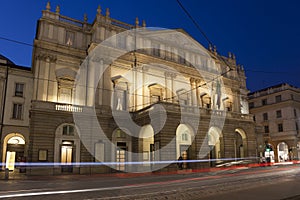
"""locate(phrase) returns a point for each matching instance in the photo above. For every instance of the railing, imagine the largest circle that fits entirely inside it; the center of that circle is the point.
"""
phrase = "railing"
(71, 21)
(121, 24)
(53, 106)
(173, 107)
(68, 108)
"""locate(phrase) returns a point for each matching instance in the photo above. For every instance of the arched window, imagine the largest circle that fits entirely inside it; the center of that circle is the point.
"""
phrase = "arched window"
(16, 140)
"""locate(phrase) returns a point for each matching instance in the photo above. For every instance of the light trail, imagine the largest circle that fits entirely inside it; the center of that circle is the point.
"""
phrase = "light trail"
(55, 164)
(14, 194)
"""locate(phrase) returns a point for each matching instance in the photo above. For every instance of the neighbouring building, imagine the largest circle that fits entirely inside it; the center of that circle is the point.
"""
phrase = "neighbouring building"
(277, 109)
(108, 93)
(16, 85)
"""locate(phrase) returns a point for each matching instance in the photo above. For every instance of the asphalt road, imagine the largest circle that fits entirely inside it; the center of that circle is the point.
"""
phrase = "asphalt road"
(272, 182)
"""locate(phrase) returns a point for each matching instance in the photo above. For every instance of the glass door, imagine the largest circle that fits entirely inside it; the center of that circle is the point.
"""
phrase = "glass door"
(66, 158)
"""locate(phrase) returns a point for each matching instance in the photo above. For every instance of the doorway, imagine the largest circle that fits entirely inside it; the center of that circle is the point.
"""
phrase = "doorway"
(121, 156)
(14, 152)
(184, 154)
(67, 156)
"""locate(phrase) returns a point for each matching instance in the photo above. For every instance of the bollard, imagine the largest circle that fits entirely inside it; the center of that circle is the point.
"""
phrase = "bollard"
(6, 174)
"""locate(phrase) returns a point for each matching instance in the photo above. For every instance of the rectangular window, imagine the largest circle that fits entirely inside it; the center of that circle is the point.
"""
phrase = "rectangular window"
(266, 129)
(265, 116)
(19, 89)
(297, 128)
(278, 113)
(295, 112)
(251, 105)
(17, 111)
(70, 38)
(184, 137)
(68, 130)
(278, 98)
(280, 128)
(264, 102)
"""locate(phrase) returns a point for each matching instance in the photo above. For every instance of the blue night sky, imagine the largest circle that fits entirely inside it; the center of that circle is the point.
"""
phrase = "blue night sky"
(264, 35)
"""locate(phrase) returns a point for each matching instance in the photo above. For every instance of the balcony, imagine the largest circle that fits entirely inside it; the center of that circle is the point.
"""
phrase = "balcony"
(68, 108)
(53, 106)
(171, 107)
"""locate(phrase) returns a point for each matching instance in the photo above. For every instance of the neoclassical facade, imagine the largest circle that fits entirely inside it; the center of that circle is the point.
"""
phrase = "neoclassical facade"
(110, 96)
(276, 110)
(16, 84)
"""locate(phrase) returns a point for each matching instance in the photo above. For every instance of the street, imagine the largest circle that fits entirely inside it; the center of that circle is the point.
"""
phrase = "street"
(272, 182)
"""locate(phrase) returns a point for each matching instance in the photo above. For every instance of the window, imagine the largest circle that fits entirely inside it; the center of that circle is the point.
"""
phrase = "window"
(68, 130)
(65, 90)
(17, 111)
(264, 102)
(295, 112)
(280, 128)
(156, 93)
(265, 116)
(19, 89)
(297, 128)
(278, 98)
(278, 113)
(266, 129)
(254, 118)
(251, 105)
(184, 137)
(70, 38)
(121, 99)
(120, 134)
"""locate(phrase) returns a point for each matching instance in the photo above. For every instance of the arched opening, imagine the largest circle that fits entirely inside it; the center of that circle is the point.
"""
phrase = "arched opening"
(67, 147)
(121, 148)
(13, 150)
(240, 143)
(184, 138)
(146, 141)
(214, 143)
(283, 152)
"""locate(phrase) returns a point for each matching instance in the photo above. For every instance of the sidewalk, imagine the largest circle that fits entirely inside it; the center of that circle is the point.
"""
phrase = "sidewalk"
(15, 175)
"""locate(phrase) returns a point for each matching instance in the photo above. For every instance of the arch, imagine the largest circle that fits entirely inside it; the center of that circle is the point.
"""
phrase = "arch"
(282, 152)
(241, 132)
(240, 143)
(214, 142)
(12, 150)
(184, 138)
(146, 144)
(67, 146)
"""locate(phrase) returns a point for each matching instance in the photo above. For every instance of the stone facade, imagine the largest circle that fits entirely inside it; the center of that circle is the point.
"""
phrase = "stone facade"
(16, 94)
(111, 96)
(276, 109)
